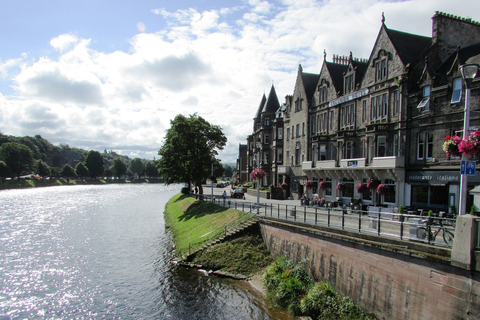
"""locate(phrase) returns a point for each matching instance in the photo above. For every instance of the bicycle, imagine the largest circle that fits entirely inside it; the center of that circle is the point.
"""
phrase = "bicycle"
(423, 231)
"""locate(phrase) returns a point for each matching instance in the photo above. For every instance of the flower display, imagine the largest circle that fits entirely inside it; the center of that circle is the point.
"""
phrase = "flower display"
(361, 188)
(372, 183)
(258, 174)
(284, 186)
(340, 187)
(471, 145)
(322, 185)
(382, 189)
(450, 146)
(309, 184)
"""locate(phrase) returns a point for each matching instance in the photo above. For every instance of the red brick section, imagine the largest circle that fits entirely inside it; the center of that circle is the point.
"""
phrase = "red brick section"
(391, 285)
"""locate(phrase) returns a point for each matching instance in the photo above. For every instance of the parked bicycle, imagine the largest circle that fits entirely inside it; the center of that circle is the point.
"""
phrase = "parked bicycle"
(422, 232)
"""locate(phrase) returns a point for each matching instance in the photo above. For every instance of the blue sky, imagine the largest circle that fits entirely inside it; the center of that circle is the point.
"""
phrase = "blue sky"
(112, 74)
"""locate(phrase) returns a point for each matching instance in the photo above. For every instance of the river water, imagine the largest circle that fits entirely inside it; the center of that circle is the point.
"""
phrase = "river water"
(96, 252)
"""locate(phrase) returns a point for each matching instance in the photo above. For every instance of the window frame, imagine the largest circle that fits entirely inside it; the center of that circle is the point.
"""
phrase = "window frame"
(456, 91)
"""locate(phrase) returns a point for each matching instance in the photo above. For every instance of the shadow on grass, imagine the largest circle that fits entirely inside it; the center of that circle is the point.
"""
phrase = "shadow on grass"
(199, 209)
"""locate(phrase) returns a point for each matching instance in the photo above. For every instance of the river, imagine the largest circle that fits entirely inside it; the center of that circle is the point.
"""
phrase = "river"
(102, 252)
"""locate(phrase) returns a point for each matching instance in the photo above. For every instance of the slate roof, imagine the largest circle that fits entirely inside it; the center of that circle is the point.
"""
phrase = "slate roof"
(272, 104)
(469, 54)
(410, 47)
(336, 71)
(309, 83)
(260, 107)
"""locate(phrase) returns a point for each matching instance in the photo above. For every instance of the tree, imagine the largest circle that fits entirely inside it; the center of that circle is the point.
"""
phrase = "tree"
(3, 169)
(228, 171)
(81, 170)
(18, 157)
(119, 168)
(43, 169)
(108, 173)
(67, 171)
(94, 164)
(151, 170)
(188, 149)
(137, 166)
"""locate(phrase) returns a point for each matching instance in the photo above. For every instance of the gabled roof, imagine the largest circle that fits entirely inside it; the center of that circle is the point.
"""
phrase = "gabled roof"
(260, 107)
(469, 54)
(309, 83)
(409, 47)
(272, 104)
(336, 71)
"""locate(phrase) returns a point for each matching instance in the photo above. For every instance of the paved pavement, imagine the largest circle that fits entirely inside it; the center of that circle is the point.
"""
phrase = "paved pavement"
(217, 192)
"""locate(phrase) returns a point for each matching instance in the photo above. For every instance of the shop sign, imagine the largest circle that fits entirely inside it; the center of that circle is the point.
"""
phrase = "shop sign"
(433, 176)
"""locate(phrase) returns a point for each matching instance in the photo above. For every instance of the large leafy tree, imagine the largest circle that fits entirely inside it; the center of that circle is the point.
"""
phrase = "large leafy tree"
(42, 168)
(94, 163)
(119, 168)
(151, 170)
(18, 157)
(81, 170)
(67, 171)
(228, 171)
(137, 166)
(189, 147)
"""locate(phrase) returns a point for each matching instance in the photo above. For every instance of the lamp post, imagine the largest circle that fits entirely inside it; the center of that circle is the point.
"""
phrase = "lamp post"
(211, 177)
(259, 145)
(468, 71)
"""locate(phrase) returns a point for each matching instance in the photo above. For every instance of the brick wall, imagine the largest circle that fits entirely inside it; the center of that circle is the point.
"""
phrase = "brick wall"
(391, 283)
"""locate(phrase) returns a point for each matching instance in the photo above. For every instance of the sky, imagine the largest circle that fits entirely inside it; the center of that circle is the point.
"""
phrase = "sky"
(112, 74)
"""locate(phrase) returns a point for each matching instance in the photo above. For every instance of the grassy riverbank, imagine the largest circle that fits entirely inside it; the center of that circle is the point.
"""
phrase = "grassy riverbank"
(32, 183)
(189, 219)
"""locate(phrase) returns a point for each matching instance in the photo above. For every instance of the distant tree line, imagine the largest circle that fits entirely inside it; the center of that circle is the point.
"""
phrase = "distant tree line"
(22, 156)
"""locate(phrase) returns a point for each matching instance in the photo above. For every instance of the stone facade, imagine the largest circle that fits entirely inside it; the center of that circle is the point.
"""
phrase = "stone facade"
(384, 117)
(390, 281)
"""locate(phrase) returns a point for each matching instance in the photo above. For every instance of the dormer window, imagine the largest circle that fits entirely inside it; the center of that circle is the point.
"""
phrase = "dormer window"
(457, 90)
(425, 102)
(381, 70)
(349, 83)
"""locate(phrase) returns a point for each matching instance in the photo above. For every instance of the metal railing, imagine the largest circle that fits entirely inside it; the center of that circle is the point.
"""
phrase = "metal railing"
(383, 224)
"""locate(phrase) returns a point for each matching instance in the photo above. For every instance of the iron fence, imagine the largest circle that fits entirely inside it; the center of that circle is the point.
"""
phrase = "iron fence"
(384, 224)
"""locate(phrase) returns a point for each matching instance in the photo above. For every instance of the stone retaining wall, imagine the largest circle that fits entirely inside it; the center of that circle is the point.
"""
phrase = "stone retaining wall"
(390, 281)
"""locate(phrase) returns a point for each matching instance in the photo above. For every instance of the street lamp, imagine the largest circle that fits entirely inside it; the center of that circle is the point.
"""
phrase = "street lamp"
(211, 177)
(468, 71)
(259, 145)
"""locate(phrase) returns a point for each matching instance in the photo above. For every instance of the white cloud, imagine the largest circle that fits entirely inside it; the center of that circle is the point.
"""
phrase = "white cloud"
(202, 62)
(63, 42)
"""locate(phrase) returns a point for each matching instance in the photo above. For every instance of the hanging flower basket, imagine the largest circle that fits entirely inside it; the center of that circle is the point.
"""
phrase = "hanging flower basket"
(340, 187)
(372, 183)
(309, 184)
(382, 189)
(322, 185)
(258, 174)
(284, 186)
(361, 188)
(471, 145)
(450, 146)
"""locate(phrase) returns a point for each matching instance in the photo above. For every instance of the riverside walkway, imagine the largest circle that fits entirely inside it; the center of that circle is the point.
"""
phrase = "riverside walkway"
(383, 224)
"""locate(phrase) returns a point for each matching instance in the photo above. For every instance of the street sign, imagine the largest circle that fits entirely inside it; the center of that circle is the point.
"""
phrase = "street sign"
(468, 168)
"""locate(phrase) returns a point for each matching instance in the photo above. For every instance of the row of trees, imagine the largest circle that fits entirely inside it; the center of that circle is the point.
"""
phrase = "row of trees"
(17, 159)
(187, 156)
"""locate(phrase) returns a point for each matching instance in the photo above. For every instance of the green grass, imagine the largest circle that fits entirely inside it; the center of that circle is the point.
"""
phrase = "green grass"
(246, 255)
(189, 219)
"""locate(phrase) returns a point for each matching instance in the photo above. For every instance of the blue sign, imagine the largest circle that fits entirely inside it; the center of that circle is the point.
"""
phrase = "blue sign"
(468, 168)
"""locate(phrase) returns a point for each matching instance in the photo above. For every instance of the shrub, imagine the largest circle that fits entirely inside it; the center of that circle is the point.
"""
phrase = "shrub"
(289, 287)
